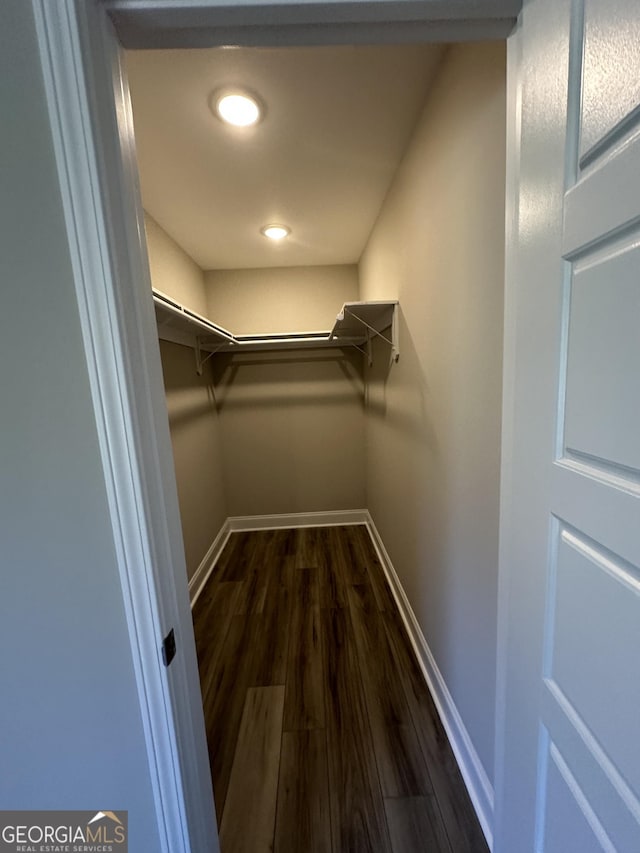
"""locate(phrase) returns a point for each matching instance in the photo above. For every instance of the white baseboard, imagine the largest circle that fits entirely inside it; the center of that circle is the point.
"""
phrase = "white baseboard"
(298, 519)
(475, 778)
(266, 522)
(201, 575)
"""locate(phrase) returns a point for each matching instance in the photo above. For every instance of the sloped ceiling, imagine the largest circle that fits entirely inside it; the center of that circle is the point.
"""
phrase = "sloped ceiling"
(337, 122)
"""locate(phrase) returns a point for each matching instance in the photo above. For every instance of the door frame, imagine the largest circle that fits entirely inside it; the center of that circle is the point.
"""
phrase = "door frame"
(509, 379)
(90, 116)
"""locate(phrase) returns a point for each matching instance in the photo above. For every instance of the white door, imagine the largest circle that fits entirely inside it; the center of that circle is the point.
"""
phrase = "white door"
(569, 749)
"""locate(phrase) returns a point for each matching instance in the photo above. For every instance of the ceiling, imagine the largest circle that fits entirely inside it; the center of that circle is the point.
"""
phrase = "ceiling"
(337, 122)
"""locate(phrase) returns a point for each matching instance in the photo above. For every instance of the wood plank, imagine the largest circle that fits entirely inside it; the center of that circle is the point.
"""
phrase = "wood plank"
(253, 591)
(377, 578)
(309, 549)
(234, 560)
(272, 629)
(272, 633)
(303, 820)
(304, 700)
(346, 556)
(281, 557)
(233, 541)
(332, 584)
(253, 654)
(358, 821)
(214, 599)
(253, 559)
(207, 594)
(282, 548)
(354, 553)
(401, 766)
(225, 697)
(211, 619)
(269, 557)
(253, 786)
(460, 820)
(411, 826)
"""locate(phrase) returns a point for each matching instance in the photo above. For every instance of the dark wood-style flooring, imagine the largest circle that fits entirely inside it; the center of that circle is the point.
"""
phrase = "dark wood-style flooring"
(323, 737)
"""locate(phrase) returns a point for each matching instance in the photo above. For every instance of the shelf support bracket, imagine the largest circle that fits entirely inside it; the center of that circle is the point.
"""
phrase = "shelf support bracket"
(366, 351)
(393, 341)
(200, 361)
(395, 338)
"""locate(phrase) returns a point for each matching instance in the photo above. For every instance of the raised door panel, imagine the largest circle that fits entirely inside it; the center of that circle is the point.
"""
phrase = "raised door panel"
(593, 624)
(569, 822)
(604, 339)
(612, 66)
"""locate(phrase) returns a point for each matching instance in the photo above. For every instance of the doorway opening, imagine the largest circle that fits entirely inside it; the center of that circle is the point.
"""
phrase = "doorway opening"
(390, 180)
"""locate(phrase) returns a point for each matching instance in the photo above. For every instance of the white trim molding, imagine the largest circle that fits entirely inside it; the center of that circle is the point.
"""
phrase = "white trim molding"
(330, 518)
(207, 23)
(238, 523)
(91, 124)
(511, 293)
(203, 572)
(473, 773)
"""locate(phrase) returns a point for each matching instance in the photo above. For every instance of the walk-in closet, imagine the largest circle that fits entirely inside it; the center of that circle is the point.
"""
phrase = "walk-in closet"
(334, 403)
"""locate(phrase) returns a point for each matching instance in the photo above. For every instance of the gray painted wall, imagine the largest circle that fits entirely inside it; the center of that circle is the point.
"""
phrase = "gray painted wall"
(195, 438)
(292, 428)
(70, 729)
(193, 416)
(172, 270)
(292, 424)
(433, 421)
(280, 299)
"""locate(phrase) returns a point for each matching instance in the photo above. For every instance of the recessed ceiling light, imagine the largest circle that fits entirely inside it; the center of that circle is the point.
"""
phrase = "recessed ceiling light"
(275, 232)
(237, 108)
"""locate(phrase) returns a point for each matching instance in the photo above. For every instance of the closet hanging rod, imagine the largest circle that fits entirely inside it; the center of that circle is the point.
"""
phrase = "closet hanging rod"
(303, 340)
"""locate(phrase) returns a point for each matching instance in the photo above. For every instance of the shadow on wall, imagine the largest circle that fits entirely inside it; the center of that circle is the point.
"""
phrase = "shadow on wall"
(181, 415)
(428, 486)
(407, 471)
(285, 379)
(408, 411)
(189, 397)
(292, 430)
